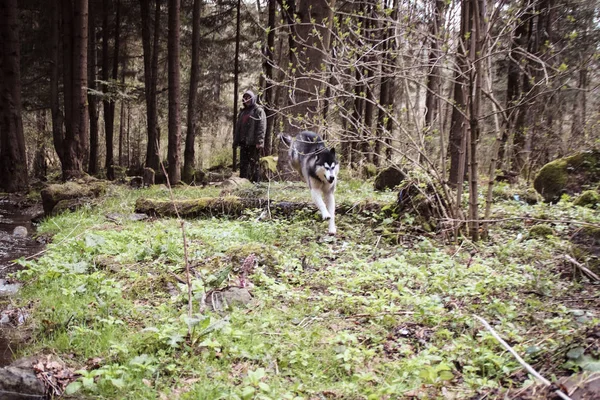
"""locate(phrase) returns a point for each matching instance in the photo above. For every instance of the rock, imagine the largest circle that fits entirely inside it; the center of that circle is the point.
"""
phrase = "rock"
(235, 183)
(389, 178)
(218, 174)
(20, 231)
(586, 247)
(8, 289)
(568, 175)
(369, 170)
(136, 182)
(540, 231)
(18, 382)
(589, 198)
(220, 300)
(531, 197)
(53, 194)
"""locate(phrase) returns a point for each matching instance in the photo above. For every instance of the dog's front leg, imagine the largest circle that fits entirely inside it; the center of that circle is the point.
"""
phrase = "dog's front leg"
(330, 202)
(318, 200)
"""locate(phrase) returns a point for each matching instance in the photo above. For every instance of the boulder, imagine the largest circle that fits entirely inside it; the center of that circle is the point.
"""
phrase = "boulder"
(389, 178)
(568, 175)
(71, 193)
(19, 382)
(589, 198)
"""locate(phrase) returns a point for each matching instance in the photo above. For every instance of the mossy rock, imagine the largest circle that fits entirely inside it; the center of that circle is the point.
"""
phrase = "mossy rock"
(53, 194)
(389, 178)
(531, 196)
(266, 256)
(568, 175)
(589, 198)
(541, 231)
(586, 247)
(369, 170)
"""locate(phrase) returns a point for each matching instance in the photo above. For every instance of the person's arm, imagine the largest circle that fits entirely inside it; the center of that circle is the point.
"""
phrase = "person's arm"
(261, 128)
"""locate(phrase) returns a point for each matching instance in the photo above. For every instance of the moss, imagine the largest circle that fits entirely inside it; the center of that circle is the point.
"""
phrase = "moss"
(55, 193)
(266, 256)
(540, 231)
(531, 196)
(568, 175)
(551, 179)
(589, 198)
(369, 170)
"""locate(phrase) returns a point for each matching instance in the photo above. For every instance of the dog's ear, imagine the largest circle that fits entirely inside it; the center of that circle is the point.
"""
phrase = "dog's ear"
(332, 151)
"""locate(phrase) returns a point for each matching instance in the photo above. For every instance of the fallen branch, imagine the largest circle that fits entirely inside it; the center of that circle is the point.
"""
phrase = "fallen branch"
(528, 367)
(553, 221)
(586, 271)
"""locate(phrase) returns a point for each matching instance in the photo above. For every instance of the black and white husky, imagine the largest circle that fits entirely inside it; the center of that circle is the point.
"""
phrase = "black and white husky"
(319, 167)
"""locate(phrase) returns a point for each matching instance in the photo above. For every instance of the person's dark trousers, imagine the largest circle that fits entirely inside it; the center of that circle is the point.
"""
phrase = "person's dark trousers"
(249, 156)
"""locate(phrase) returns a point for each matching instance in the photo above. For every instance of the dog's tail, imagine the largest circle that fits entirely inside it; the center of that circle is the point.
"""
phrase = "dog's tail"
(286, 139)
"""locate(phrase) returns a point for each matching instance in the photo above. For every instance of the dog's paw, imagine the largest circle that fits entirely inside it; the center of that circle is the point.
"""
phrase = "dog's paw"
(326, 216)
(332, 231)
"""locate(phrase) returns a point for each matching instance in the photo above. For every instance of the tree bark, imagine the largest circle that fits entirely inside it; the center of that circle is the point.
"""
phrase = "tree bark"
(459, 123)
(173, 155)
(57, 115)
(75, 40)
(92, 99)
(269, 83)
(13, 158)
(150, 37)
(108, 102)
(189, 157)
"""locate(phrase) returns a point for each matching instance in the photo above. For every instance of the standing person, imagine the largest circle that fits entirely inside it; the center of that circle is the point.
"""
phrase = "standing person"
(249, 134)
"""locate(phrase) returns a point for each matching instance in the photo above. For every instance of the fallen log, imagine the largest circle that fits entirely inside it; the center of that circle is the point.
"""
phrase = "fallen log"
(235, 206)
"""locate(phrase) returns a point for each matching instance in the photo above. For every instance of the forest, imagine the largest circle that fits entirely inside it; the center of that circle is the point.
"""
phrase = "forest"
(466, 259)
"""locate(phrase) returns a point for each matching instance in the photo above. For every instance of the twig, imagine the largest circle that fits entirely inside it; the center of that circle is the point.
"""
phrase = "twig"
(528, 367)
(377, 315)
(586, 271)
(185, 248)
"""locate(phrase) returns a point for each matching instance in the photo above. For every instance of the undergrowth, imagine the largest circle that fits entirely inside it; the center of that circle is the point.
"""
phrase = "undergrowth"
(356, 316)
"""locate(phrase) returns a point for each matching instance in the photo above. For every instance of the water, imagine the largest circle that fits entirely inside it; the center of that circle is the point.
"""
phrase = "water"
(14, 212)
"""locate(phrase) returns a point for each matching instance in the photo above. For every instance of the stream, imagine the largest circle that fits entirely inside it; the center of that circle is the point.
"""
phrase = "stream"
(16, 230)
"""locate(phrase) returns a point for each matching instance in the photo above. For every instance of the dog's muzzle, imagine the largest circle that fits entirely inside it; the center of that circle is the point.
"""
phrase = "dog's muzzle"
(331, 179)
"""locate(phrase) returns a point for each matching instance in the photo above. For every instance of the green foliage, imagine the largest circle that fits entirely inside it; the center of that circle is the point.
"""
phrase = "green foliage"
(353, 314)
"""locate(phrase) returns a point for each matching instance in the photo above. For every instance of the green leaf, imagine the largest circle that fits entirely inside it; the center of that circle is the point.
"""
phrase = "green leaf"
(575, 353)
(445, 375)
(264, 387)
(270, 162)
(73, 387)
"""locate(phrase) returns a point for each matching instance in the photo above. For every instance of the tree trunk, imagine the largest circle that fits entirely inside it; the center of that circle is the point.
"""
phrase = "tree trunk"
(92, 99)
(236, 78)
(13, 158)
(269, 83)
(108, 102)
(57, 115)
(459, 123)
(189, 158)
(433, 77)
(173, 155)
(75, 41)
(150, 46)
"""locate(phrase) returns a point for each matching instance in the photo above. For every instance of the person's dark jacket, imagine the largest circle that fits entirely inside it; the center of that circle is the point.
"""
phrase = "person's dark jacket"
(251, 124)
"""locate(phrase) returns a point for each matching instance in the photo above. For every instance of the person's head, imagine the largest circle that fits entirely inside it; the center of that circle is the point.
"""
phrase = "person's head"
(248, 99)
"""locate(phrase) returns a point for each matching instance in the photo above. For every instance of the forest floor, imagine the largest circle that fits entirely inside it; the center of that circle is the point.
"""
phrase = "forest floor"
(382, 310)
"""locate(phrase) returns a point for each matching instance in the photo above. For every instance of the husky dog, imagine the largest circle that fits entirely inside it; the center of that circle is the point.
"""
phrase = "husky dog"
(319, 167)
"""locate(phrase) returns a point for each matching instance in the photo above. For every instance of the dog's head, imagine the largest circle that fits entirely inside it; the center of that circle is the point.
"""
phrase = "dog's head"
(327, 166)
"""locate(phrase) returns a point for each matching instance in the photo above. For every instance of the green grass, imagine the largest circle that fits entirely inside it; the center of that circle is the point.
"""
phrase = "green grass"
(354, 316)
